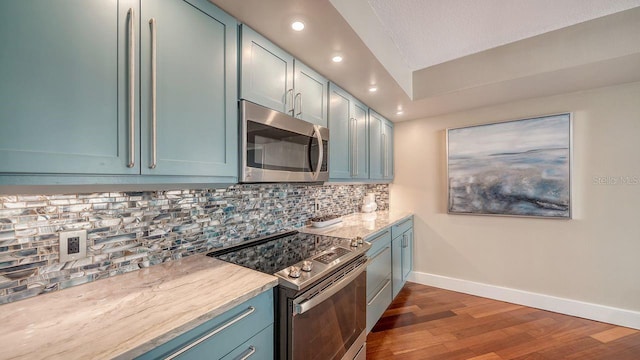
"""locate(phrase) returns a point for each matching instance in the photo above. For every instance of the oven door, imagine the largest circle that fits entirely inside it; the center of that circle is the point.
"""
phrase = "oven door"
(277, 147)
(329, 320)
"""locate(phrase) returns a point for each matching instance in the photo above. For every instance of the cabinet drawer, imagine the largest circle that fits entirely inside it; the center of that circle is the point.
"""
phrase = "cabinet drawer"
(259, 347)
(378, 271)
(232, 328)
(378, 241)
(378, 304)
(401, 226)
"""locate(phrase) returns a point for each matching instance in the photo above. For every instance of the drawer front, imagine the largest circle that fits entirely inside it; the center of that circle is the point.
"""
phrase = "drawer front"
(259, 347)
(401, 226)
(378, 241)
(232, 328)
(377, 305)
(378, 271)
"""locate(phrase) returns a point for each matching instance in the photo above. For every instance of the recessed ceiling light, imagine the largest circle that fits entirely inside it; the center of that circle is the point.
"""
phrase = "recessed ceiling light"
(337, 58)
(373, 89)
(297, 25)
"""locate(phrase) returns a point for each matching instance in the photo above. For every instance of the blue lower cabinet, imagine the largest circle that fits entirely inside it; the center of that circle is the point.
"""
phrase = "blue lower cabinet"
(237, 331)
(401, 253)
(379, 282)
(377, 305)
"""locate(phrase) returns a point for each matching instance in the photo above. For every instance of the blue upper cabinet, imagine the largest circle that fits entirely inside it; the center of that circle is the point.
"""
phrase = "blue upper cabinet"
(64, 72)
(267, 73)
(349, 147)
(360, 148)
(310, 99)
(273, 78)
(84, 92)
(381, 147)
(340, 146)
(188, 64)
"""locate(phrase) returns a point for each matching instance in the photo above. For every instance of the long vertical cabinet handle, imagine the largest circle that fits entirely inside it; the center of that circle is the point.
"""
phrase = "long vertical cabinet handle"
(355, 147)
(353, 155)
(154, 117)
(384, 155)
(290, 93)
(132, 84)
(299, 113)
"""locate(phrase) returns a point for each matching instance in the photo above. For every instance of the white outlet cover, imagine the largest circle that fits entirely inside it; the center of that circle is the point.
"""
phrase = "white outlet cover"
(64, 242)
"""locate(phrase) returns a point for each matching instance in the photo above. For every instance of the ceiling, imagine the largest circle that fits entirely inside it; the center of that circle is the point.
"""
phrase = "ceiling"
(429, 57)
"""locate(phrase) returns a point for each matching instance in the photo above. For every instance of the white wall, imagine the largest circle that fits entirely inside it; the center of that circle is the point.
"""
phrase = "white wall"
(594, 258)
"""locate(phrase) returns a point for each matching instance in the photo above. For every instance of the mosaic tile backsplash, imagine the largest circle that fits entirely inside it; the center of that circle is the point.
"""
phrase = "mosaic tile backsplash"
(127, 231)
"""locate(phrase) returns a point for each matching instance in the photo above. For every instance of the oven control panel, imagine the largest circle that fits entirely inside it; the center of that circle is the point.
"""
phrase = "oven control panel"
(307, 272)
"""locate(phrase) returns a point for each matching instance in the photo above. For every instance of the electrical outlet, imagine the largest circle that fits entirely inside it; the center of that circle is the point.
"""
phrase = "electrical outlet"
(73, 245)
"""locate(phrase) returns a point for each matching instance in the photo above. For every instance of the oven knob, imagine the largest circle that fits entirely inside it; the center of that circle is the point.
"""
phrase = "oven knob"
(306, 265)
(354, 243)
(360, 240)
(294, 272)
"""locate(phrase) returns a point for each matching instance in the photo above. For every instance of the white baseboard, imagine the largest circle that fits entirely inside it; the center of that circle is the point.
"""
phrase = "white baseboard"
(571, 307)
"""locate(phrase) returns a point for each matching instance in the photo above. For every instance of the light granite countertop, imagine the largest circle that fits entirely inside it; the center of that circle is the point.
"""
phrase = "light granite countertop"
(359, 224)
(129, 314)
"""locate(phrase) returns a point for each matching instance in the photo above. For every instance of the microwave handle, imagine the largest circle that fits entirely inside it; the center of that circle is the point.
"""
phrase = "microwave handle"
(316, 130)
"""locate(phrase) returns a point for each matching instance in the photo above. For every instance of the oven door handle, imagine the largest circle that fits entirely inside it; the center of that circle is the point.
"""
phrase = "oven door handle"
(302, 306)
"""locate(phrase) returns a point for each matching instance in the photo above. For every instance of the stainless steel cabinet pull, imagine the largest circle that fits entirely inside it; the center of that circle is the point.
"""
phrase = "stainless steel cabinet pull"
(386, 157)
(299, 113)
(404, 240)
(249, 352)
(154, 118)
(355, 145)
(132, 98)
(379, 292)
(379, 236)
(353, 152)
(215, 331)
(380, 253)
(400, 224)
(290, 93)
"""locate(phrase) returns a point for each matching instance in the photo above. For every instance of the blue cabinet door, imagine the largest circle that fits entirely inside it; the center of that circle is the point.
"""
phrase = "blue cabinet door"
(310, 99)
(376, 123)
(381, 147)
(407, 255)
(360, 148)
(267, 73)
(340, 155)
(396, 265)
(349, 127)
(387, 150)
(195, 88)
(64, 88)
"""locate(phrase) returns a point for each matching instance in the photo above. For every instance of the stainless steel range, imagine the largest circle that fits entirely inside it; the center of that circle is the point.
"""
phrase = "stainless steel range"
(321, 296)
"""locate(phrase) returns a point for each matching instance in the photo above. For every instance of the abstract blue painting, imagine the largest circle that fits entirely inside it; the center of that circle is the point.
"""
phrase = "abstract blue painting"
(513, 168)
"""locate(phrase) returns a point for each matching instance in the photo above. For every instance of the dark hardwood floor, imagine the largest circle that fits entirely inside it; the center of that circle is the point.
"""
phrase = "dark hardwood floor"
(429, 323)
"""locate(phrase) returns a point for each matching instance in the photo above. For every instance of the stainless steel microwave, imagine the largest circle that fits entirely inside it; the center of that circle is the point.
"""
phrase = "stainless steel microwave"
(279, 148)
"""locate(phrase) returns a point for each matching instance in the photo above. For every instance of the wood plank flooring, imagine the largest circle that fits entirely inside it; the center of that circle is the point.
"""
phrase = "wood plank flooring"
(428, 323)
